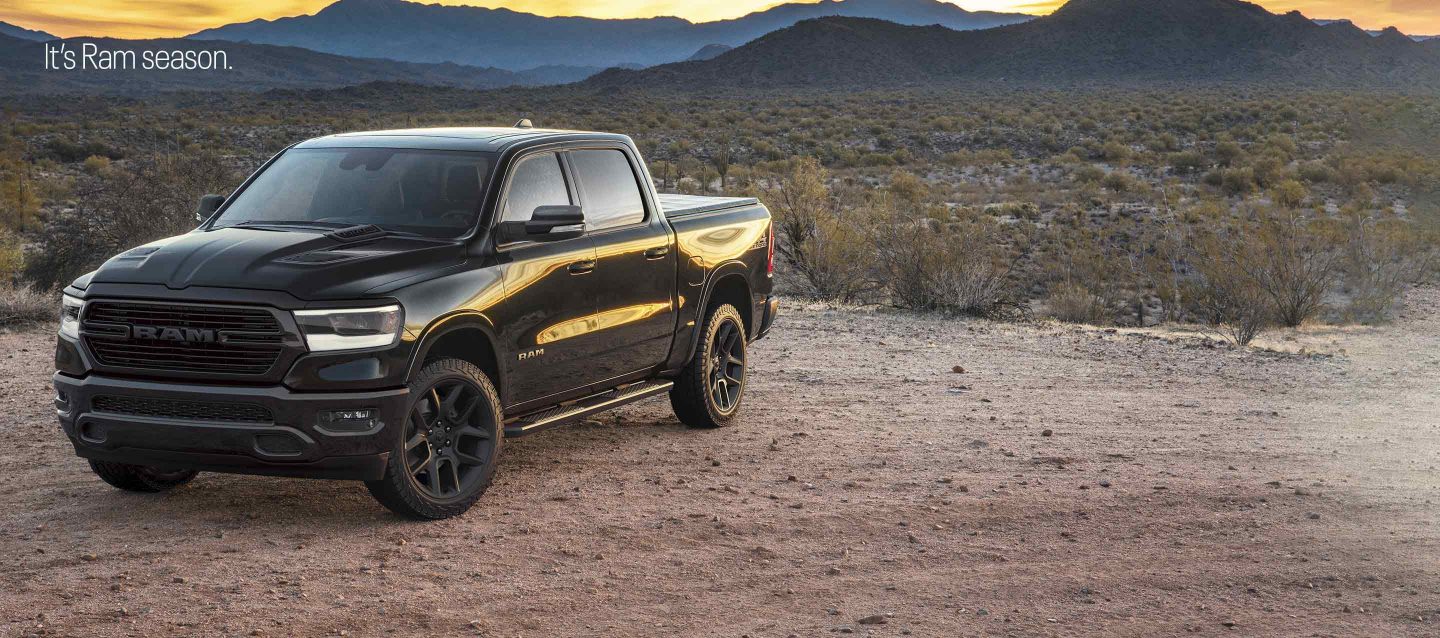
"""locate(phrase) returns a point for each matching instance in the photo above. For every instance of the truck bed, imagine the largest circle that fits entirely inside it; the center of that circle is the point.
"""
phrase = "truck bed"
(682, 205)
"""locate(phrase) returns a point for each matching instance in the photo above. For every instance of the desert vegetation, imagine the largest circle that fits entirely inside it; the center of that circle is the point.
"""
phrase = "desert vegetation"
(1235, 209)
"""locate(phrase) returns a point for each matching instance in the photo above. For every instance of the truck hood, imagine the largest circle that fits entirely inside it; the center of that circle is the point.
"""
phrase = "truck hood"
(308, 264)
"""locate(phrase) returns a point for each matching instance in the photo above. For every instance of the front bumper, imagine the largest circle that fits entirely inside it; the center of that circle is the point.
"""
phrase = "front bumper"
(197, 427)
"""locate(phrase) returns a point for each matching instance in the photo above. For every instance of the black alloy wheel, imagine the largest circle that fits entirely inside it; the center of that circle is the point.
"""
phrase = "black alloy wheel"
(727, 366)
(446, 447)
(446, 450)
(708, 392)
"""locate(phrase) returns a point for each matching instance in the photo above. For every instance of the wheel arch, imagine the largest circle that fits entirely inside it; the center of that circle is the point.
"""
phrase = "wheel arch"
(728, 283)
(466, 336)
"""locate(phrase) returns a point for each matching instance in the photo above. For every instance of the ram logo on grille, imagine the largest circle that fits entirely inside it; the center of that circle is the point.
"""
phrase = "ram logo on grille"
(159, 333)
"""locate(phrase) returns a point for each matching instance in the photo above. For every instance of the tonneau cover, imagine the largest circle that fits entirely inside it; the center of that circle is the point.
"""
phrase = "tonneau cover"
(681, 205)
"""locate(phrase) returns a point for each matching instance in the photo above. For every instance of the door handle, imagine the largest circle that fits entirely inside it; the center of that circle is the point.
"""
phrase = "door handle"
(582, 267)
(657, 252)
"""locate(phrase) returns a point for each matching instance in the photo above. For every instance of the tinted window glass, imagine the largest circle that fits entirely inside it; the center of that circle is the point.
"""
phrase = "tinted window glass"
(537, 181)
(428, 192)
(608, 189)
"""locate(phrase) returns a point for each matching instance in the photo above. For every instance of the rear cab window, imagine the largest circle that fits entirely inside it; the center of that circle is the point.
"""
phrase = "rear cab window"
(608, 187)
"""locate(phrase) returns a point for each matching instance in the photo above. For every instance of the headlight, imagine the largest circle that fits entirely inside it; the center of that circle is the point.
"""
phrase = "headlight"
(70, 316)
(350, 329)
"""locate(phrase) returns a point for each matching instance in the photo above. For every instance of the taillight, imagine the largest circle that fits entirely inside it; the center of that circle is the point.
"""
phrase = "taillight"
(770, 254)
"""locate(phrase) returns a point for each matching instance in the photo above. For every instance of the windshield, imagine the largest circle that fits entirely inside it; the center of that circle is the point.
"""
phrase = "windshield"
(433, 193)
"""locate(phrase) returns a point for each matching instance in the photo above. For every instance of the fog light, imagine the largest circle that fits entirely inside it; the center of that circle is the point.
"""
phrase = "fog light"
(349, 420)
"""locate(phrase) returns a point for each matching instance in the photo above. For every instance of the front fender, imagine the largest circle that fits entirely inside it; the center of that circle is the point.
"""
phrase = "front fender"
(448, 324)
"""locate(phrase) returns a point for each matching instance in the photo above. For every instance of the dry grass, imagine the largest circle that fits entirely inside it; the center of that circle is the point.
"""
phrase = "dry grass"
(24, 306)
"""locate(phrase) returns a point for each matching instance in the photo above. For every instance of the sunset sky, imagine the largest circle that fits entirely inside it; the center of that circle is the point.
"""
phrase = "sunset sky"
(164, 18)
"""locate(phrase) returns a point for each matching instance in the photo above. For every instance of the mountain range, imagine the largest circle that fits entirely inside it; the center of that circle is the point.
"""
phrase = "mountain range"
(252, 67)
(1085, 41)
(1375, 32)
(507, 39)
(24, 34)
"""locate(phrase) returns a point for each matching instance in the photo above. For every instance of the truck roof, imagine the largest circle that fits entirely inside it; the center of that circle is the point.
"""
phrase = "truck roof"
(454, 138)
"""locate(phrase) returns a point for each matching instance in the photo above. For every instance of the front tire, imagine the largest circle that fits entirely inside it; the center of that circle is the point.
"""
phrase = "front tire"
(140, 478)
(445, 455)
(708, 392)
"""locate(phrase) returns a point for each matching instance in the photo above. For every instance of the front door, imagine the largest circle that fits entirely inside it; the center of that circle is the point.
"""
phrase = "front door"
(549, 292)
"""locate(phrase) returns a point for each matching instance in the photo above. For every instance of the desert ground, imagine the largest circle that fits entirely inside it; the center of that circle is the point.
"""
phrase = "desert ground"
(1070, 481)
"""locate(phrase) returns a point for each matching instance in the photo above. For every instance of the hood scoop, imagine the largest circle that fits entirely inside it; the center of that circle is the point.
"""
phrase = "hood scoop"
(356, 232)
(331, 256)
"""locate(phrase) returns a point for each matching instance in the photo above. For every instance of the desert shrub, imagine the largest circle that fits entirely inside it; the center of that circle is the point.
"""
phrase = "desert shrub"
(1188, 161)
(1089, 174)
(64, 150)
(1229, 152)
(1072, 302)
(954, 267)
(1317, 172)
(147, 200)
(1017, 210)
(20, 194)
(1224, 294)
(1289, 194)
(23, 305)
(1115, 152)
(1268, 170)
(1119, 181)
(1380, 260)
(96, 164)
(12, 256)
(1237, 181)
(1292, 263)
(828, 246)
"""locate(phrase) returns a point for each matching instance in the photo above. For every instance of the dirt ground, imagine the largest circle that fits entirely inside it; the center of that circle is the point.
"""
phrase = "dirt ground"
(1070, 482)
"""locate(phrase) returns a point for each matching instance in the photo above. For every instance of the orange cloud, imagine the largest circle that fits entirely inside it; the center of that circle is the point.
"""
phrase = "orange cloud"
(170, 18)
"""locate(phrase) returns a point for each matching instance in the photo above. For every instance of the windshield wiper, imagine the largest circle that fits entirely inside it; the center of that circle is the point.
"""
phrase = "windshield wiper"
(315, 225)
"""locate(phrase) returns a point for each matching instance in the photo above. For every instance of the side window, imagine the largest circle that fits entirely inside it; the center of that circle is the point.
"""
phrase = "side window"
(608, 189)
(537, 181)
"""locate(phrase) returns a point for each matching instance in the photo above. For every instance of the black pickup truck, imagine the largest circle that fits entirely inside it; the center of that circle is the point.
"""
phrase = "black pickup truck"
(391, 306)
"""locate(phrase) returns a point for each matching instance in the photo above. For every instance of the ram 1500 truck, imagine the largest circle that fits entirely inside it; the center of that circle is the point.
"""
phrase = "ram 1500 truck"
(391, 306)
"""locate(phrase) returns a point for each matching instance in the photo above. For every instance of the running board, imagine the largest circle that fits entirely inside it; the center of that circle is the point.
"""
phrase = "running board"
(532, 423)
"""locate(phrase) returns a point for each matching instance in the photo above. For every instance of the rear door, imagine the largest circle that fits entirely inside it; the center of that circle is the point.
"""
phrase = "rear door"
(635, 272)
(549, 290)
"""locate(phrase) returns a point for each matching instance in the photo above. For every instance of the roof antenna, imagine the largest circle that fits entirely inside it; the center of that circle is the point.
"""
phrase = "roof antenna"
(524, 123)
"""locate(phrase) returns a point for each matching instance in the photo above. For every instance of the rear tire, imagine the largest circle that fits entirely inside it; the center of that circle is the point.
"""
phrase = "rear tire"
(140, 478)
(708, 392)
(445, 453)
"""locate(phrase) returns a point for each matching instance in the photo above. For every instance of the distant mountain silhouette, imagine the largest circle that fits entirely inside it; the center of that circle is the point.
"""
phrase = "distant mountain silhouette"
(24, 34)
(415, 32)
(1417, 38)
(709, 51)
(253, 68)
(1084, 41)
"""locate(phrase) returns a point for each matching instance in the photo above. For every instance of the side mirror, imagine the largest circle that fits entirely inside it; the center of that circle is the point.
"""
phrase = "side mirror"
(208, 205)
(547, 223)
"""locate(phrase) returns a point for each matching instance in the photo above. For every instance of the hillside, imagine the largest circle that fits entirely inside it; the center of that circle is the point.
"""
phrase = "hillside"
(508, 39)
(22, 33)
(253, 68)
(1085, 41)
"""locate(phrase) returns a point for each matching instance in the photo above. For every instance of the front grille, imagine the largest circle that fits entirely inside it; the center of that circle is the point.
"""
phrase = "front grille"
(248, 340)
(176, 409)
